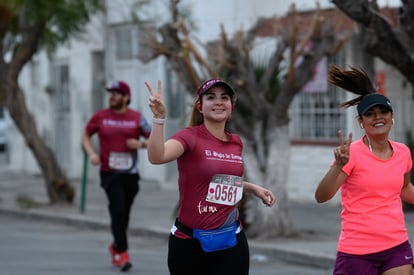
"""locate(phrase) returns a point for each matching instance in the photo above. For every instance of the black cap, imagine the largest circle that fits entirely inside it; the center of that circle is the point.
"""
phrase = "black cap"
(371, 100)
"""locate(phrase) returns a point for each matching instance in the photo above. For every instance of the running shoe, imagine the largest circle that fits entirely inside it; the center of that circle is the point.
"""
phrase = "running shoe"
(124, 262)
(115, 256)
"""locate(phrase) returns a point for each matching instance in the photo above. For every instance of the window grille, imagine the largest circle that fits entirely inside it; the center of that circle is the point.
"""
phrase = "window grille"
(317, 117)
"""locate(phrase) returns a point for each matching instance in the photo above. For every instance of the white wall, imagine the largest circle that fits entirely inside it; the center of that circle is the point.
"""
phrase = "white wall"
(308, 165)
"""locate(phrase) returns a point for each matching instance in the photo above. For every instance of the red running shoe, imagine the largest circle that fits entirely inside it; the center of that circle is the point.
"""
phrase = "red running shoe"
(115, 256)
(124, 262)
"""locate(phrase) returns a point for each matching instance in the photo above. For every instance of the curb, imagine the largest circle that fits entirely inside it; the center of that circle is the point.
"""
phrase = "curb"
(294, 256)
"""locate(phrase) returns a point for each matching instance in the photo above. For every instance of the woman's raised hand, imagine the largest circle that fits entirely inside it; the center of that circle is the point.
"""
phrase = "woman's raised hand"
(156, 102)
(342, 151)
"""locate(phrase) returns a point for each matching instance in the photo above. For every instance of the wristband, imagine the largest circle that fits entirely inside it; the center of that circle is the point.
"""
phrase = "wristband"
(159, 121)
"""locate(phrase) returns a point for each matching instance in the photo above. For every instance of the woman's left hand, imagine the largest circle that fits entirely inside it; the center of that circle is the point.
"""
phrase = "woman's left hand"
(266, 195)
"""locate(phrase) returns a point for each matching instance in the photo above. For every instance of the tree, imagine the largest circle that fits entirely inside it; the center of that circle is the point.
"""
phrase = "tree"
(264, 93)
(25, 27)
(380, 38)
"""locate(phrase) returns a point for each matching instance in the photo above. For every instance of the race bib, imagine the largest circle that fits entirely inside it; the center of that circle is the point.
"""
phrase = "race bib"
(120, 161)
(225, 189)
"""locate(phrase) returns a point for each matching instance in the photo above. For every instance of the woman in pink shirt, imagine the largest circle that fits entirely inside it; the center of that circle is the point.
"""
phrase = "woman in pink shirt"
(373, 174)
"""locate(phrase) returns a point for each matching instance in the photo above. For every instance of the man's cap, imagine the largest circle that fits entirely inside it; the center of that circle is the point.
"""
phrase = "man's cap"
(119, 86)
(214, 82)
(371, 100)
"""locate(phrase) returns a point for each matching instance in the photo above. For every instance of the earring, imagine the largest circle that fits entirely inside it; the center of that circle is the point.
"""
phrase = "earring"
(362, 126)
(392, 121)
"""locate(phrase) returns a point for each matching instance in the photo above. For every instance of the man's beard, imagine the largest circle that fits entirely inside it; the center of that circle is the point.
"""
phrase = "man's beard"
(116, 105)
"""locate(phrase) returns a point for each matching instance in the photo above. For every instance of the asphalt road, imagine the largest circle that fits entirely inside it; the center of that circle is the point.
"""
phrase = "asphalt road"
(42, 248)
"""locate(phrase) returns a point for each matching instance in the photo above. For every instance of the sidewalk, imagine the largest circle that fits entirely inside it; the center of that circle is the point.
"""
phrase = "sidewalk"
(152, 216)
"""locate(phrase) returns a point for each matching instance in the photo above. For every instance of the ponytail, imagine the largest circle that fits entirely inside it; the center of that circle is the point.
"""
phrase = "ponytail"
(354, 80)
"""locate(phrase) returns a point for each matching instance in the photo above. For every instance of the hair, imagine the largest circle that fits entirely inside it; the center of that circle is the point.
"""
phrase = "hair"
(354, 80)
(196, 117)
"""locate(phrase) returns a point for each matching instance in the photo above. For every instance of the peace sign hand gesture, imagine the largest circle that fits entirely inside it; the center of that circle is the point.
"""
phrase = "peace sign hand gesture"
(156, 102)
(341, 152)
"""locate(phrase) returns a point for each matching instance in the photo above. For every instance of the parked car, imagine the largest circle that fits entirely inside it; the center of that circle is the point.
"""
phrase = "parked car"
(2, 135)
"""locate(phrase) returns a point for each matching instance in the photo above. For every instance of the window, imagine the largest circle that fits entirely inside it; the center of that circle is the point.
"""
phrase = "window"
(316, 116)
(98, 80)
(63, 88)
(123, 43)
(129, 41)
(143, 36)
(34, 72)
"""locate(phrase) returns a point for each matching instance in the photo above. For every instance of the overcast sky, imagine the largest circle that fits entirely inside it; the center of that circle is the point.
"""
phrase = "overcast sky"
(240, 14)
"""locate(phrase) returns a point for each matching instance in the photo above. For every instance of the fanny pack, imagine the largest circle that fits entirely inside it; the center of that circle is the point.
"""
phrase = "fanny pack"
(212, 240)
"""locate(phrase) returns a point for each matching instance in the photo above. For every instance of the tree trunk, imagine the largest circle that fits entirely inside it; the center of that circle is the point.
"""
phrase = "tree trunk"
(380, 39)
(275, 219)
(58, 186)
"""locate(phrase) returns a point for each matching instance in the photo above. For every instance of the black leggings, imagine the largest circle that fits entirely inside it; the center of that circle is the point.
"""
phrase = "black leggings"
(120, 190)
(187, 257)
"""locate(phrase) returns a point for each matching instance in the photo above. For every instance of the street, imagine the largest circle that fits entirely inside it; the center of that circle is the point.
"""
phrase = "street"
(42, 248)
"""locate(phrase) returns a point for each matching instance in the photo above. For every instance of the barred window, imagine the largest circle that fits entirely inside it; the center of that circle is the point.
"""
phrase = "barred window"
(316, 116)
